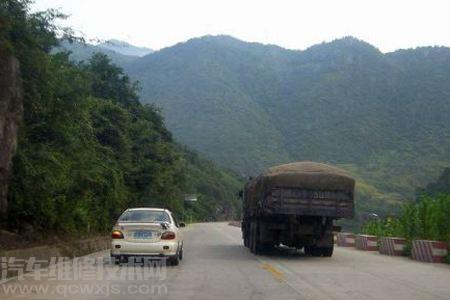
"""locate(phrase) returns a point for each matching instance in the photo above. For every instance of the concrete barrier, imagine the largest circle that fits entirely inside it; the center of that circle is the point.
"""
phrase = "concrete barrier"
(392, 246)
(429, 251)
(345, 239)
(366, 242)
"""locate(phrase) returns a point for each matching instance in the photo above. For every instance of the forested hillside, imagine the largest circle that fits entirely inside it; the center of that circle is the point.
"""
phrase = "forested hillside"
(87, 148)
(383, 117)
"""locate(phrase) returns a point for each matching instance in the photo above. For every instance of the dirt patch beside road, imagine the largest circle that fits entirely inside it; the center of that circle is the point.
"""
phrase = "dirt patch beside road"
(235, 223)
(68, 249)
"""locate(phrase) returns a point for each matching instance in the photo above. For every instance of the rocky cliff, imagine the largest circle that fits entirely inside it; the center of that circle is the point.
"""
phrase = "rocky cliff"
(10, 115)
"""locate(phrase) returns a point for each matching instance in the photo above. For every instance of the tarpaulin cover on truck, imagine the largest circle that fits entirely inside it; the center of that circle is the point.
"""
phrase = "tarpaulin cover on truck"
(303, 175)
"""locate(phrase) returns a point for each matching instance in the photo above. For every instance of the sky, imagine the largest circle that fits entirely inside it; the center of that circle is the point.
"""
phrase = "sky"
(296, 24)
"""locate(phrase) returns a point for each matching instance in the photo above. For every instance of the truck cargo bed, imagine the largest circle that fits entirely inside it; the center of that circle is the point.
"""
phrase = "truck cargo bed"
(297, 201)
(296, 205)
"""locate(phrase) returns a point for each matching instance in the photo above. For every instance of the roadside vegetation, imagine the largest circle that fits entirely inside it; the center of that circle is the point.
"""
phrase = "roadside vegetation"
(87, 148)
(428, 218)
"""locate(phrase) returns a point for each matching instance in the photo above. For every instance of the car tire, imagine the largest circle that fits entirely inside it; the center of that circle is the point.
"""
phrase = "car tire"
(174, 260)
(115, 259)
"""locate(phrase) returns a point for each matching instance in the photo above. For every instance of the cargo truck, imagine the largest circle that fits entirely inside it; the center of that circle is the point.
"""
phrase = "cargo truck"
(296, 205)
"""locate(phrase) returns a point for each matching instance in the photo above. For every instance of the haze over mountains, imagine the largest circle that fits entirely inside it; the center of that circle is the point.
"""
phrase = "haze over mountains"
(120, 52)
(247, 106)
(124, 48)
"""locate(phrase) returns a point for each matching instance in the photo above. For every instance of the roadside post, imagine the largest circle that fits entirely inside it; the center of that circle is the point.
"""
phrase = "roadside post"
(189, 200)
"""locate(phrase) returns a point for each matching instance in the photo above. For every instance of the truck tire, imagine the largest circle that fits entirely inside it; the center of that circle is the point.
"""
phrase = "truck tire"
(251, 238)
(255, 244)
(307, 250)
(319, 251)
(315, 251)
(327, 251)
(245, 236)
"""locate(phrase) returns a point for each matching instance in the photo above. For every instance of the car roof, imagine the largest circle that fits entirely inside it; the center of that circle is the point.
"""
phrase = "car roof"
(148, 208)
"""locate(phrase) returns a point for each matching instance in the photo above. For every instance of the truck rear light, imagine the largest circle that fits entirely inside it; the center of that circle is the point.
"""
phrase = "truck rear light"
(117, 234)
(168, 235)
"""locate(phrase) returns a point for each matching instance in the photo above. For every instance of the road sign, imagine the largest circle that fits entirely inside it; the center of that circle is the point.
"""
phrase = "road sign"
(190, 198)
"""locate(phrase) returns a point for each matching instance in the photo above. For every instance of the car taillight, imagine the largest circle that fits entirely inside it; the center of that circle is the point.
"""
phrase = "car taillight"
(168, 235)
(117, 234)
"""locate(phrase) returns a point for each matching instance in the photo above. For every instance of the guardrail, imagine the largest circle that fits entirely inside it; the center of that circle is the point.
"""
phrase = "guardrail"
(421, 250)
(345, 239)
(429, 251)
(366, 242)
(393, 246)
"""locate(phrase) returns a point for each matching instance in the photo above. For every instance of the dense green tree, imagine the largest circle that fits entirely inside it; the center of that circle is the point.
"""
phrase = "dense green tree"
(88, 148)
(440, 186)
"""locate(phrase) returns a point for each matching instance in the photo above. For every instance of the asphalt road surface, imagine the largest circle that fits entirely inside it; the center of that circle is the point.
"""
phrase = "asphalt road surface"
(217, 266)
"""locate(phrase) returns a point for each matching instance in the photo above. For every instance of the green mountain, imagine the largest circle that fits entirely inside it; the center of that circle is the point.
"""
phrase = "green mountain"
(247, 106)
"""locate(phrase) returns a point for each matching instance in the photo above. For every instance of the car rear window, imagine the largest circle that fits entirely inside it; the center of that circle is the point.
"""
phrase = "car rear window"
(144, 216)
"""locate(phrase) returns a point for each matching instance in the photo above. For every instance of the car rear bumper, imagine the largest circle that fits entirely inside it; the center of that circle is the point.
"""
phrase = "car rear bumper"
(157, 249)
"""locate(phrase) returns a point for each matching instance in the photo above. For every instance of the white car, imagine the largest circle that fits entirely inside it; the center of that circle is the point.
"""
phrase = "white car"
(150, 232)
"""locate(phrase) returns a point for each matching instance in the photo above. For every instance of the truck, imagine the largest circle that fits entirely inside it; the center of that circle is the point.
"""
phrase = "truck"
(296, 205)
